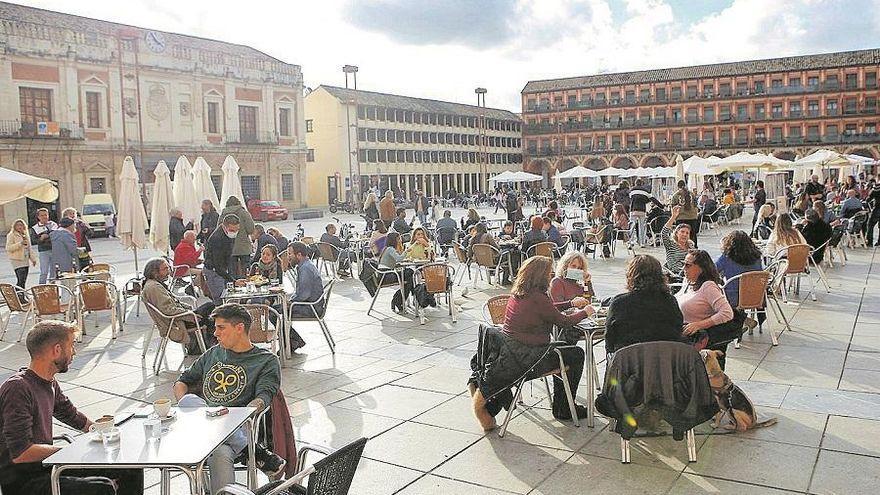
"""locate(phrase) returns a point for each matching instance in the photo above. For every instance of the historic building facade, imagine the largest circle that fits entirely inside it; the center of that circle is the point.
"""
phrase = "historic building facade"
(77, 95)
(785, 106)
(404, 143)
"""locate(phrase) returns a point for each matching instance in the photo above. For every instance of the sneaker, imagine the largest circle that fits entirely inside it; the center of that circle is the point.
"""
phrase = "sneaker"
(269, 462)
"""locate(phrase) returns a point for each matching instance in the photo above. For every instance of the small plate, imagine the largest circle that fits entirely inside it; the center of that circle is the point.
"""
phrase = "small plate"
(171, 415)
(95, 436)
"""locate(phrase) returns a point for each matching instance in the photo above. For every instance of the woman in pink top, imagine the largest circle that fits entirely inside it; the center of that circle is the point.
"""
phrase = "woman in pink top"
(704, 305)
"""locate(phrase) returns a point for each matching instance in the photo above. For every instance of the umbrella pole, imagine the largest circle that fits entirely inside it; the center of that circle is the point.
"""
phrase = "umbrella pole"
(136, 269)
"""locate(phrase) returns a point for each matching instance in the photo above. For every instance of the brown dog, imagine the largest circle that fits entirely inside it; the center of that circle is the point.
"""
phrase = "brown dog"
(736, 409)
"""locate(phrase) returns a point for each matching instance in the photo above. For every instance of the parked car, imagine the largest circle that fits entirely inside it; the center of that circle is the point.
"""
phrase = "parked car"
(265, 210)
(95, 207)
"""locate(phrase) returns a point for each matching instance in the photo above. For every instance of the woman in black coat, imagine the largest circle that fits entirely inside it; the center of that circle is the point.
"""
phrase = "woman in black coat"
(647, 312)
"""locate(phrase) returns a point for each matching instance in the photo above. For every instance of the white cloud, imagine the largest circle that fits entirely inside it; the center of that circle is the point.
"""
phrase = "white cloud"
(553, 38)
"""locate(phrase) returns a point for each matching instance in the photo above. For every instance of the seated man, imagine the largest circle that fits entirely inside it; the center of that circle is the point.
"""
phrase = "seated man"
(234, 373)
(446, 230)
(400, 225)
(552, 231)
(29, 399)
(345, 256)
(186, 254)
(851, 205)
(157, 294)
(309, 288)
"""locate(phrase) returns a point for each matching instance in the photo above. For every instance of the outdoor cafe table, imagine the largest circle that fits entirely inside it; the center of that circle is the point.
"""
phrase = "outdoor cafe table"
(187, 443)
(593, 329)
(276, 291)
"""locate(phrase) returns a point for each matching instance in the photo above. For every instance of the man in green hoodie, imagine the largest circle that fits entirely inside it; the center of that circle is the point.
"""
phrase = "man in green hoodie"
(242, 247)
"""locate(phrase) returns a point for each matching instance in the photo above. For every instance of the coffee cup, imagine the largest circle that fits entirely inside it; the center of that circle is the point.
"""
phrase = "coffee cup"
(103, 423)
(162, 407)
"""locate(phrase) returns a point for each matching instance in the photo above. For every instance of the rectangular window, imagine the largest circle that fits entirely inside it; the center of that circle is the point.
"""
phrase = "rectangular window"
(250, 186)
(287, 187)
(759, 87)
(852, 81)
(742, 88)
(284, 121)
(831, 130)
(310, 125)
(35, 105)
(98, 185)
(794, 82)
(870, 80)
(724, 89)
(831, 81)
(776, 83)
(93, 109)
(813, 81)
(213, 110)
(660, 94)
(247, 123)
(310, 155)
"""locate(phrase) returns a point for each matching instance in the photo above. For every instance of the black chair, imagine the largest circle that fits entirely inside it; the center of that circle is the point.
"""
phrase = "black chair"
(331, 475)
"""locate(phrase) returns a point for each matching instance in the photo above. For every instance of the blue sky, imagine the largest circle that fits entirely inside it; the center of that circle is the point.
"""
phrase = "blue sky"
(445, 48)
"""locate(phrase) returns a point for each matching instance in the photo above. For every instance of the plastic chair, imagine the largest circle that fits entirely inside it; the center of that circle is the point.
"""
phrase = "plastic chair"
(495, 309)
(17, 301)
(319, 309)
(98, 295)
(178, 319)
(331, 475)
(438, 278)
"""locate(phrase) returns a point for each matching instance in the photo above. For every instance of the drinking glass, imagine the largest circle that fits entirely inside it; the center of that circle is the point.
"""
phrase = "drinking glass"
(110, 438)
(153, 428)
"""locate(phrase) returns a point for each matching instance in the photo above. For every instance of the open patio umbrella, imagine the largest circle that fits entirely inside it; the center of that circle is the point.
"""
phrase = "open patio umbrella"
(577, 173)
(185, 198)
(163, 202)
(231, 181)
(502, 177)
(610, 172)
(131, 222)
(526, 177)
(745, 161)
(16, 185)
(203, 184)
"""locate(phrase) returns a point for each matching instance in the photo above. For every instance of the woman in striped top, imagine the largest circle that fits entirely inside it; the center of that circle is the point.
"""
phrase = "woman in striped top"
(676, 242)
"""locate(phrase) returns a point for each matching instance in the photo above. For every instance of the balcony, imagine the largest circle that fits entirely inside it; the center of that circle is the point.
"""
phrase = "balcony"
(14, 129)
(251, 137)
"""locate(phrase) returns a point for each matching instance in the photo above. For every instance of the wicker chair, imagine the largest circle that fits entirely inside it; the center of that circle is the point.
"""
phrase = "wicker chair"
(329, 255)
(18, 301)
(261, 330)
(495, 309)
(49, 300)
(98, 295)
(101, 271)
(331, 475)
(490, 259)
(547, 249)
(799, 261)
(753, 297)
(318, 313)
(438, 278)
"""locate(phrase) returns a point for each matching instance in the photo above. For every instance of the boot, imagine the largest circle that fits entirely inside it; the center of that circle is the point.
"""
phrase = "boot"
(486, 420)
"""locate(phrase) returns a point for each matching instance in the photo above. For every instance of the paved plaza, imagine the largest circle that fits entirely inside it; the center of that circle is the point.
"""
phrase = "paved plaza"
(403, 385)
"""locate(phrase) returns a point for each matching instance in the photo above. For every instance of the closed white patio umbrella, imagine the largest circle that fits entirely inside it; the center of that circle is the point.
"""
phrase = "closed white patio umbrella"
(203, 184)
(163, 202)
(16, 185)
(679, 168)
(131, 222)
(231, 181)
(184, 189)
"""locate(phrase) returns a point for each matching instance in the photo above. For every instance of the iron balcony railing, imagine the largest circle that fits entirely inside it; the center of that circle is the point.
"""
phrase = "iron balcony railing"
(248, 137)
(14, 129)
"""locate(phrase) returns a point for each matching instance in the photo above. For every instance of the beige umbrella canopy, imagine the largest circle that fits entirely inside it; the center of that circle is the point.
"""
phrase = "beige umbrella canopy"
(163, 202)
(16, 185)
(131, 222)
(185, 192)
(203, 184)
(231, 181)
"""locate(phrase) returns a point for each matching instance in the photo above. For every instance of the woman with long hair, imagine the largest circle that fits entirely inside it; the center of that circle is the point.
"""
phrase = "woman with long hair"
(472, 218)
(739, 254)
(704, 306)
(572, 278)
(18, 248)
(526, 333)
(391, 255)
(784, 234)
(371, 206)
(676, 242)
(377, 237)
(688, 213)
(646, 312)
(420, 247)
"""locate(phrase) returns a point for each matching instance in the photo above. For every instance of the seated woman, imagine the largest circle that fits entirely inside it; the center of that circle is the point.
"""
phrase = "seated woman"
(708, 318)
(738, 255)
(816, 232)
(620, 217)
(420, 248)
(801, 204)
(472, 219)
(526, 334)
(784, 234)
(676, 242)
(507, 231)
(534, 235)
(646, 312)
(764, 221)
(572, 278)
(268, 265)
(391, 256)
(377, 237)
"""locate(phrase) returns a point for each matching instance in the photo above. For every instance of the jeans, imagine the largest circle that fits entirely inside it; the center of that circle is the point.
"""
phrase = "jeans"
(422, 218)
(222, 461)
(639, 227)
(45, 265)
(872, 222)
(21, 274)
(80, 482)
(216, 284)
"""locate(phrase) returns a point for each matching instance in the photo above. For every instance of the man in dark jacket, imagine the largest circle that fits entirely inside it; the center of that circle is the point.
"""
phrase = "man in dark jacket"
(874, 205)
(639, 197)
(208, 222)
(345, 256)
(400, 224)
(218, 253)
(176, 228)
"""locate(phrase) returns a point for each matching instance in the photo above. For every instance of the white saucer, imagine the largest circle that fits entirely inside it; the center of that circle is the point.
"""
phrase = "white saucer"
(171, 415)
(95, 436)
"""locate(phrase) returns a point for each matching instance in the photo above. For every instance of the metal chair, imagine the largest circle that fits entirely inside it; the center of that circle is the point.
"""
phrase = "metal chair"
(546, 249)
(331, 475)
(465, 261)
(799, 260)
(319, 309)
(752, 294)
(777, 271)
(261, 330)
(602, 237)
(132, 289)
(438, 278)
(101, 271)
(49, 300)
(495, 309)
(329, 254)
(18, 301)
(836, 245)
(98, 295)
(173, 320)
(855, 235)
(489, 258)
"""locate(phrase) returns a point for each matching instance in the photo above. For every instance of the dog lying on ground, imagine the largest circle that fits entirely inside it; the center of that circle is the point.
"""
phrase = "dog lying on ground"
(736, 409)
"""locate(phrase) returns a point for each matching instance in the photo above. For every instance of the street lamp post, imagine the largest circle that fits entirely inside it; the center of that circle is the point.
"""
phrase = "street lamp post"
(481, 159)
(559, 142)
(354, 171)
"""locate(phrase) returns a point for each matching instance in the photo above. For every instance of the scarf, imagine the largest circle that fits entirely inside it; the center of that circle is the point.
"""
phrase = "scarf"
(267, 269)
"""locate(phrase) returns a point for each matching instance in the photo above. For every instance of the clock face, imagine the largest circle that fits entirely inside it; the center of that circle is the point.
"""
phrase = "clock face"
(155, 41)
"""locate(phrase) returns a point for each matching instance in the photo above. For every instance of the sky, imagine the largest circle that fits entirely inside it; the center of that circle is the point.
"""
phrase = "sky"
(443, 49)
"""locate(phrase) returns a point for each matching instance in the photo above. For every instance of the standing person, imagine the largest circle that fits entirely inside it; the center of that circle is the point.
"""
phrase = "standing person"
(874, 205)
(499, 198)
(386, 208)
(621, 195)
(40, 237)
(639, 197)
(83, 232)
(110, 224)
(176, 228)
(421, 207)
(241, 249)
(511, 205)
(759, 199)
(309, 288)
(688, 213)
(18, 247)
(814, 189)
(371, 210)
(29, 400)
(65, 254)
(218, 253)
(208, 222)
